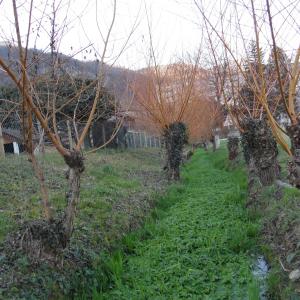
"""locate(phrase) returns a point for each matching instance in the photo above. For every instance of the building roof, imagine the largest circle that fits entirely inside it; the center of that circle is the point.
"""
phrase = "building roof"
(12, 135)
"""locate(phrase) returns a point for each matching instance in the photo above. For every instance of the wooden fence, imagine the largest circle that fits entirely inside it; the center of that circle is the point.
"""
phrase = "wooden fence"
(135, 139)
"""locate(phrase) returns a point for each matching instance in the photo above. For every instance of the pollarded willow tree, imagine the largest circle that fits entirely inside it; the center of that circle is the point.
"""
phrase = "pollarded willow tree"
(273, 85)
(173, 99)
(205, 115)
(43, 101)
(246, 111)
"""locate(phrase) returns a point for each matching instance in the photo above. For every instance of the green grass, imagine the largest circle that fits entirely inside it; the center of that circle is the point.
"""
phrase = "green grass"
(196, 245)
(118, 190)
(110, 177)
(195, 242)
(281, 239)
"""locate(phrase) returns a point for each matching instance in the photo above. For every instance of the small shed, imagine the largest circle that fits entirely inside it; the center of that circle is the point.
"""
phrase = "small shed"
(12, 140)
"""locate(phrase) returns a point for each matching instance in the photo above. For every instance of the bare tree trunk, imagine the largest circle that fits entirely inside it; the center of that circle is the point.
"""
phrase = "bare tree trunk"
(44, 191)
(175, 137)
(294, 164)
(72, 201)
(91, 137)
(75, 162)
(2, 151)
(258, 143)
(69, 135)
(205, 145)
(233, 147)
(41, 145)
(213, 140)
(175, 174)
(253, 184)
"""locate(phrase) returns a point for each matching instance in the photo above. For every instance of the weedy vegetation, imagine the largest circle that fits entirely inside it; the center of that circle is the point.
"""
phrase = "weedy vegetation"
(118, 191)
(196, 244)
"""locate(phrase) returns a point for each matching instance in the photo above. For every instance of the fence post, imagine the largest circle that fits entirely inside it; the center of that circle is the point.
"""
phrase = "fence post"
(140, 139)
(2, 151)
(143, 135)
(91, 138)
(132, 140)
(143, 139)
(147, 139)
(16, 148)
(128, 140)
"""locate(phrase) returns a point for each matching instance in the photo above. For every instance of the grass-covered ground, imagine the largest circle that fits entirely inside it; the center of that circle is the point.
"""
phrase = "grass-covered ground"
(118, 190)
(199, 246)
(279, 214)
(195, 242)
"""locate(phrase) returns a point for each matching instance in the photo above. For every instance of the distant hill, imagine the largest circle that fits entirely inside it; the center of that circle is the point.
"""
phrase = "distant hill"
(116, 78)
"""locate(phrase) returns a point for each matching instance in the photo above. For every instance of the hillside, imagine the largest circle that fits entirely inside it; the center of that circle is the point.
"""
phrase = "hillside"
(117, 78)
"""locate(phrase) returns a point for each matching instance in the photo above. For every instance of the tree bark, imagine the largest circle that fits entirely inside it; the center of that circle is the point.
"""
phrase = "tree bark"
(69, 135)
(41, 144)
(253, 184)
(73, 197)
(233, 147)
(175, 174)
(175, 137)
(294, 163)
(44, 191)
(2, 151)
(75, 162)
(213, 140)
(258, 143)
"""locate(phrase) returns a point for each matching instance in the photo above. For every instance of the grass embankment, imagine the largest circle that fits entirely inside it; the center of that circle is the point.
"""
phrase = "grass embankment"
(279, 211)
(195, 244)
(198, 245)
(118, 191)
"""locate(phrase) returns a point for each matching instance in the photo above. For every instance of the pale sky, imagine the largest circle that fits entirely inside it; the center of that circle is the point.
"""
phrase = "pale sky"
(175, 26)
(172, 26)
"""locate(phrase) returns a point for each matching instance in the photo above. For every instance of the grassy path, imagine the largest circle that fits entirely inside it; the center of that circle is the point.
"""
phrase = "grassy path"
(198, 247)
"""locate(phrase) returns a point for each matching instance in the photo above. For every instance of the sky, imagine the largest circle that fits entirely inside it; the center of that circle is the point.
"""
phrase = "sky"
(171, 24)
(176, 27)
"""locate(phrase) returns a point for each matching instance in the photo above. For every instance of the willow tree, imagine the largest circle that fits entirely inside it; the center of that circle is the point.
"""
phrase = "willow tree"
(246, 111)
(175, 100)
(288, 79)
(260, 85)
(204, 116)
(52, 233)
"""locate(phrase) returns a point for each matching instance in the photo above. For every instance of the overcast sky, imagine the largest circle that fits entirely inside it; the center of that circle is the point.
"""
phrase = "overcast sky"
(175, 26)
(172, 25)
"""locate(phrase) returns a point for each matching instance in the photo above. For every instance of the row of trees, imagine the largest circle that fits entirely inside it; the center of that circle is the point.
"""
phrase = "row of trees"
(176, 101)
(173, 100)
(261, 96)
(44, 98)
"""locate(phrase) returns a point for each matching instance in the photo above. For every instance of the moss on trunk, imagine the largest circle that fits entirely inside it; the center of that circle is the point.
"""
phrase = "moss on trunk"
(233, 147)
(175, 137)
(259, 144)
(294, 163)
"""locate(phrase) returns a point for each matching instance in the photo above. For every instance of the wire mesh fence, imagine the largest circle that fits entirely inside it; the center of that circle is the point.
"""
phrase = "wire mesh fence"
(140, 139)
